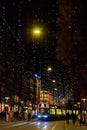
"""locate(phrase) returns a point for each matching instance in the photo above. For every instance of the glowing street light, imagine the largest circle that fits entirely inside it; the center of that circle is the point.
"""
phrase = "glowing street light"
(83, 99)
(49, 69)
(84, 103)
(37, 31)
(53, 81)
(7, 98)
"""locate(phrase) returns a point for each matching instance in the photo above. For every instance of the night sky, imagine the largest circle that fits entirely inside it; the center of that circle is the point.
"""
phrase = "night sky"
(19, 52)
(40, 13)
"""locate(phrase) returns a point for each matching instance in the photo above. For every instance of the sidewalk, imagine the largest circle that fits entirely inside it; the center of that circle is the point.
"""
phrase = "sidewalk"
(10, 122)
(75, 126)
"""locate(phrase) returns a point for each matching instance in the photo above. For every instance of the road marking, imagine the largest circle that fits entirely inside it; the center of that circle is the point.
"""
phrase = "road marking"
(53, 127)
(21, 124)
(44, 127)
(65, 125)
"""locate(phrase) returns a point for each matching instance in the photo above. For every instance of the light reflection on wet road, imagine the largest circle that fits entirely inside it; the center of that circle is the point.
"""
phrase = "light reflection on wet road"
(41, 125)
(35, 125)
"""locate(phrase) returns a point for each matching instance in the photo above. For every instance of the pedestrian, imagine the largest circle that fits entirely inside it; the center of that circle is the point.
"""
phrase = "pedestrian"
(73, 118)
(29, 116)
(67, 117)
(84, 118)
(20, 116)
(80, 119)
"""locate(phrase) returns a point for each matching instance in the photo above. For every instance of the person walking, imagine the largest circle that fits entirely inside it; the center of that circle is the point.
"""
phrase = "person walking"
(73, 118)
(80, 119)
(29, 116)
(67, 117)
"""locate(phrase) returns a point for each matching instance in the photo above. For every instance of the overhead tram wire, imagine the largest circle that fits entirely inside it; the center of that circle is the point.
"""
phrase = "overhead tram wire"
(10, 29)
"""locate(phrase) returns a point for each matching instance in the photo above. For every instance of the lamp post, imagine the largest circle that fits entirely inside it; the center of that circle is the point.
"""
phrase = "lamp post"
(38, 89)
(37, 33)
(53, 81)
(84, 104)
(7, 98)
(49, 69)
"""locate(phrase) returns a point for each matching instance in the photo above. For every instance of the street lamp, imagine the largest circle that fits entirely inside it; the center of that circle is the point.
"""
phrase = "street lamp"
(53, 81)
(37, 32)
(36, 35)
(38, 89)
(49, 69)
(7, 98)
(84, 103)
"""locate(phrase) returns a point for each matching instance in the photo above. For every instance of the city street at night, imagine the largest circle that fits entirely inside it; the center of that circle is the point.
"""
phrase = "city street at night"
(40, 125)
(43, 65)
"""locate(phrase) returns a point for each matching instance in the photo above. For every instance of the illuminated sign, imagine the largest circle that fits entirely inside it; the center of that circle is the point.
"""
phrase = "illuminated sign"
(50, 98)
(9, 108)
(0, 107)
(3, 106)
(37, 76)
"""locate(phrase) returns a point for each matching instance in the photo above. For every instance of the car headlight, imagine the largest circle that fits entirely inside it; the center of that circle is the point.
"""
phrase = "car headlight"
(45, 116)
(39, 116)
